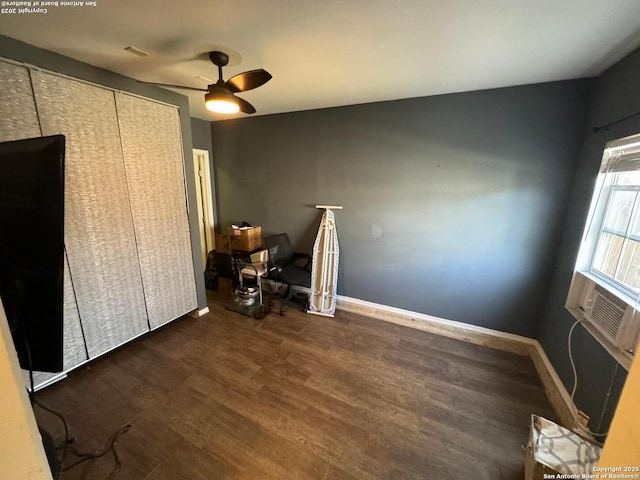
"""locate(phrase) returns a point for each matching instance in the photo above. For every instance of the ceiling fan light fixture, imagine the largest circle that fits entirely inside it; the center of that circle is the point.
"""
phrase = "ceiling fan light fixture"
(220, 96)
(221, 102)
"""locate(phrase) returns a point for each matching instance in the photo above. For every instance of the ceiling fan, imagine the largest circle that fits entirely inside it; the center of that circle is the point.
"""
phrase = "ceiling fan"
(220, 97)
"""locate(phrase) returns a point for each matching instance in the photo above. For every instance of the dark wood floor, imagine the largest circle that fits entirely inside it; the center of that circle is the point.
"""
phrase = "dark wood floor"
(300, 397)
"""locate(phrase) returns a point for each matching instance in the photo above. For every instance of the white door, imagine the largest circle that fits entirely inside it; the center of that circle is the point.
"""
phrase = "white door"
(204, 192)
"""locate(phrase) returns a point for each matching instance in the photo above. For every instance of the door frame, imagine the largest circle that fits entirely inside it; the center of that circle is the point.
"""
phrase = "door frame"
(205, 203)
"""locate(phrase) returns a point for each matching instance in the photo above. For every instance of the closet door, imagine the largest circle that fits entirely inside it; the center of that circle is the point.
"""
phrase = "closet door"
(75, 350)
(99, 236)
(18, 117)
(18, 120)
(152, 147)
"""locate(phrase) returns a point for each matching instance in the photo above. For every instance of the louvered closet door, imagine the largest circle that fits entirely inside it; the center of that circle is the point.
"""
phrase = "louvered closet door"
(99, 235)
(75, 350)
(18, 117)
(152, 146)
(18, 120)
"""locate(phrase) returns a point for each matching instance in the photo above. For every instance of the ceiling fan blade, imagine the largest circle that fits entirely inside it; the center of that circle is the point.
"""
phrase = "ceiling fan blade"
(174, 86)
(245, 107)
(248, 80)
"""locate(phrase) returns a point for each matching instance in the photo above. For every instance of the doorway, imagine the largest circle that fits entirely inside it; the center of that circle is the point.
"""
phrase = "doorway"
(204, 194)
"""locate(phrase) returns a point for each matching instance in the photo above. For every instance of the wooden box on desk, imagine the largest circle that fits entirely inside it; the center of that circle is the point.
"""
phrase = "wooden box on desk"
(246, 239)
(223, 243)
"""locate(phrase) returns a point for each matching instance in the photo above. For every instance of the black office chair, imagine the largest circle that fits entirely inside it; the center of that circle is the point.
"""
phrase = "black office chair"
(289, 267)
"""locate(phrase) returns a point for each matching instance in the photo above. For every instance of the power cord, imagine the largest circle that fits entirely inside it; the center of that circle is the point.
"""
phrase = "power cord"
(573, 365)
(84, 457)
(67, 439)
(582, 427)
(111, 447)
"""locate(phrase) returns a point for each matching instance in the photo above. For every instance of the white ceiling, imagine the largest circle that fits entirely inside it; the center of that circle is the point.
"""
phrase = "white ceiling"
(341, 52)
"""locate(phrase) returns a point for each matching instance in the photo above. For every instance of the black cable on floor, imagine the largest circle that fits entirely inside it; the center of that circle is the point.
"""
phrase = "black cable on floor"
(84, 456)
(113, 441)
(66, 435)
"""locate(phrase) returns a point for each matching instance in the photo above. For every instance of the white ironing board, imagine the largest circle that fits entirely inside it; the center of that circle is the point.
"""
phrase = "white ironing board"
(324, 269)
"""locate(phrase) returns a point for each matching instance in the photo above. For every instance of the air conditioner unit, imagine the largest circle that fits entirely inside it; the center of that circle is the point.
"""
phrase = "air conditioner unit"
(610, 315)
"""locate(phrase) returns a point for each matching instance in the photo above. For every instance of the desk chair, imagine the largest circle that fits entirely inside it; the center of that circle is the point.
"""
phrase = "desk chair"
(288, 267)
(256, 269)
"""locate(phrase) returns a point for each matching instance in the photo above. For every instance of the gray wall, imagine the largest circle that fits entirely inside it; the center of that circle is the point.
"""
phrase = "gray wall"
(201, 135)
(617, 95)
(453, 203)
(22, 52)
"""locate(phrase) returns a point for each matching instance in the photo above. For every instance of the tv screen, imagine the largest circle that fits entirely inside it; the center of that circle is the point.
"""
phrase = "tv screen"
(32, 248)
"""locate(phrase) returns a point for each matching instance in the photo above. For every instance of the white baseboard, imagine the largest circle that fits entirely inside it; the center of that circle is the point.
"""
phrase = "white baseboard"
(448, 328)
(199, 313)
(558, 395)
(40, 384)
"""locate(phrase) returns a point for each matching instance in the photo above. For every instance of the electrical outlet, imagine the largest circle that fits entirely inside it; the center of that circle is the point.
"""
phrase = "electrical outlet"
(583, 418)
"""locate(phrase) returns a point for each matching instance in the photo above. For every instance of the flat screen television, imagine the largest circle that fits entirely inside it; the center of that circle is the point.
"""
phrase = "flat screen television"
(32, 248)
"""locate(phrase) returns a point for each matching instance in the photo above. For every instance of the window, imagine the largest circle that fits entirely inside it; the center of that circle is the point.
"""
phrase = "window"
(611, 248)
(617, 254)
(605, 290)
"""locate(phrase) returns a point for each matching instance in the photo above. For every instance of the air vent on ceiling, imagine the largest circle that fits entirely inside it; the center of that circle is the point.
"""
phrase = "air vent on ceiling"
(136, 51)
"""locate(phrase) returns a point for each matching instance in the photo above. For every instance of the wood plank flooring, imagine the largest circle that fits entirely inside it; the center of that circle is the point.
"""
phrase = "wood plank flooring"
(300, 397)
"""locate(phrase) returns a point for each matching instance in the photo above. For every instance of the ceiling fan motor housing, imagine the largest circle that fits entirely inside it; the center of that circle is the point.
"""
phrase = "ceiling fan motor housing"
(219, 58)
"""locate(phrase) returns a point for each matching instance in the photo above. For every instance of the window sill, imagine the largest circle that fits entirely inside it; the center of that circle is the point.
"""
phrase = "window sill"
(611, 288)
